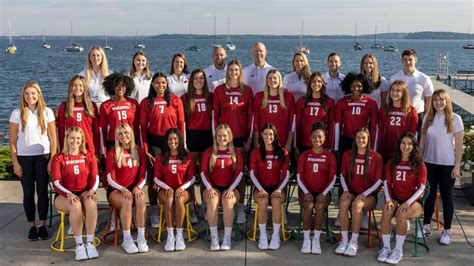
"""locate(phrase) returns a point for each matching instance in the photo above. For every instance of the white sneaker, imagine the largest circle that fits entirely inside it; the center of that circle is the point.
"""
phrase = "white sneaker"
(155, 220)
(226, 243)
(180, 245)
(170, 243)
(263, 242)
(395, 257)
(69, 231)
(315, 246)
(445, 238)
(384, 253)
(129, 247)
(241, 219)
(274, 243)
(192, 215)
(91, 251)
(351, 249)
(365, 220)
(142, 246)
(215, 243)
(306, 247)
(341, 248)
(81, 253)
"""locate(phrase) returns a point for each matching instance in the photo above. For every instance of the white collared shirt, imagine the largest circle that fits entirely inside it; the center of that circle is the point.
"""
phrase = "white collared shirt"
(255, 76)
(297, 86)
(178, 86)
(333, 86)
(419, 87)
(142, 86)
(30, 141)
(96, 90)
(214, 76)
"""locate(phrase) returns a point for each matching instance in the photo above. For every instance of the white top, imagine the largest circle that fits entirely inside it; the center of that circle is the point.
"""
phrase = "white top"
(178, 86)
(255, 76)
(142, 86)
(333, 86)
(297, 86)
(377, 93)
(96, 90)
(214, 76)
(31, 142)
(439, 144)
(419, 87)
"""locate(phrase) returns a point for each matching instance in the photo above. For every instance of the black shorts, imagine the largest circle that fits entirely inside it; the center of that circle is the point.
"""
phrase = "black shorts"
(221, 189)
(110, 190)
(156, 144)
(198, 140)
(75, 193)
(270, 189)
(239, 142)
(314, 194)
(109, 144)
(345, 144)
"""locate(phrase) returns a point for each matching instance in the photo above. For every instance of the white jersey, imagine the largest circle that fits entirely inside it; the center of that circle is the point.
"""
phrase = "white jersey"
(333, 86)
(96, 90)
(214, 76)
(178, 86)
(376, 94)
(419, 87)
(294, 84)
(142, 86)
(254, 76)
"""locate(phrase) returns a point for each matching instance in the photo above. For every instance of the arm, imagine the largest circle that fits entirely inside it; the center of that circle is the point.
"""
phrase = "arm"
(458, 149)
(285, 173)
(95, 129)
(159, 174)
(93, 173)
(300, 173)
(110, 170)
(142, 175)
(254, 169)
(373, 123)
(102, 128)
(331, 110)
(332, 175)
(292, 122)
(298, 120)
(61, 126)
(338, 124)
(13, 128)
(190, 170)
(205, 171)
(256, 120)
(238, 171)
(427, 103)
(56, 177)
(181, 120)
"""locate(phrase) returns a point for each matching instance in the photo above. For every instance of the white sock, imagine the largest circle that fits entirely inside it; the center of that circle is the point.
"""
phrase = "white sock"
(170, 231)
(354, 238)
(179, 232)
(306, 234)
(213, 230)
(227, 231)
(399, 242)
(276, 230)
(127, 236)
(78, 240)
(141, 233)
(345, 236)
(386, 240)
(317, 234)
(90, 238)
(263, 229)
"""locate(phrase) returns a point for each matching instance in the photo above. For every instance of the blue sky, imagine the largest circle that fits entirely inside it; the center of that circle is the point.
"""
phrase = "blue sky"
(123, 17)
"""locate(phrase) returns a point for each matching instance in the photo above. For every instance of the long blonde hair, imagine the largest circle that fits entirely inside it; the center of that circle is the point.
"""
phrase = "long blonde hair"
(448, 112)
(375, 76)
(266, 89)
(82, 147)
(306, 69)
(40, 106)
(120, 155)
(104, 65)
(215, 147)
(88, 106)
(240, 80)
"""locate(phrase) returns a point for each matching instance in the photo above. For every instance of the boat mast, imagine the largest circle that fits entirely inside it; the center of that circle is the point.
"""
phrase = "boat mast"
(375, 36)
(214, 29)
(301, 35)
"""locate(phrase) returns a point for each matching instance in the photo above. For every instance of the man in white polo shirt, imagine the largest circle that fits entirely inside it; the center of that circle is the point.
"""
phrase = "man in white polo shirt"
(333, 78)
(215, 73)
(255, 74)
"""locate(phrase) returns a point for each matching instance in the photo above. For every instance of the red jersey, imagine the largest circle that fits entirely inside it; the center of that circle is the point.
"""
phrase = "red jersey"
(269, 172)
(316, 172)
(74, 173)
(274, 113)
(404, 184)
(357, 183)
(223, 173)
(307, 115)
(392, 126)
(200, 118)
(353, 114)
(79, 118)
(175, 174)
(156, 120)
(127, 175)
(113, 113)
(234, 109)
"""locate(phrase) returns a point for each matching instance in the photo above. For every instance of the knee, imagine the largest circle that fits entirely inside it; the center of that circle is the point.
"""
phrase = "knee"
(344, 205)
(76, 208)
(401, 217)
(357, 205)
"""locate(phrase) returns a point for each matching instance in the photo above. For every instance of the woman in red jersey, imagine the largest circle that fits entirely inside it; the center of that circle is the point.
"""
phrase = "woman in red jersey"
(315, 106)
(126, 176)
(395, 118)
(221, 167)
(405, 182)
(75, 179)
(174, 174)
(354, 111)
(269, 173)
(316, 175)
(120, 109)
(361, 176)
(78, 110)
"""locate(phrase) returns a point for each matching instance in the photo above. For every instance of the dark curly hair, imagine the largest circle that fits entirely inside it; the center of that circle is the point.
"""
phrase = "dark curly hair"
(182, 154)
(415, 160)
(351, 77)
(114, 80)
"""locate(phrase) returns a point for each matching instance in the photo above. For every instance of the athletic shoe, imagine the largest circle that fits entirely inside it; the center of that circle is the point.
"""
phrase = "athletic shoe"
(445, 238)
(81, 253)
(33, 234)
(263, 242)
(306, 247)
(384, 253)
(91, 251)
(142, 246)
(180, 245)
(155, 220)
(365, 220)
(129, 247)
(395, 257)
(315, 246)
(341, 248)
(274, 243)
(427, 229)
(215, 243)
(42, 232)
(241, 219)
(170, 243)
(192, 215)
(226, 243)
(351, 249)
(69, 231)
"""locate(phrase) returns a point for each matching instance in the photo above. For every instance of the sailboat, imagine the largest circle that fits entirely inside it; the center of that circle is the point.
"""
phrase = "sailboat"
(376, 45)
(107, 46)
(215, 44)
(45, 45)
(138, 45)
(73, 47)
(390, 48)
(230, 46)
(357, 45)
(11, 48)
(469, 45)
(302, 48)
(191, 47)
